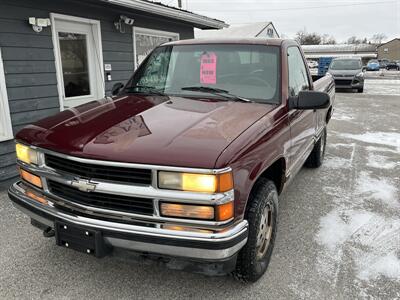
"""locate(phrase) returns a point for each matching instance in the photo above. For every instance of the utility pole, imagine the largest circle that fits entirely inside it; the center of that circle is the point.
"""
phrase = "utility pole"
(180, 3)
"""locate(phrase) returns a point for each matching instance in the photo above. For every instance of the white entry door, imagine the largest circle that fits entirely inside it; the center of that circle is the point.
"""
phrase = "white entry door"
(145, 40)
(5, 119)
(79, 60)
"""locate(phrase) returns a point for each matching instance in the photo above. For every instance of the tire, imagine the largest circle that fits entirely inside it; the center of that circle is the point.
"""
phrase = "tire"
(317, 155)
(360, 90)
(261, 213)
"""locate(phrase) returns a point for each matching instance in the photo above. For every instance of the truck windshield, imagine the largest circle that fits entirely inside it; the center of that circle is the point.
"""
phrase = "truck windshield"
(345, 64)
(247, 71)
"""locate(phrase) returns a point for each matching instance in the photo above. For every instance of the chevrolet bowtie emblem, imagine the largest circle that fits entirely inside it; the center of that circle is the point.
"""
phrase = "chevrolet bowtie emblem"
(84, 185)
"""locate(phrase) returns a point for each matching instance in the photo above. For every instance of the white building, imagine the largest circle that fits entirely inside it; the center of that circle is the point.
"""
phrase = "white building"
(365, 51)
(259, 29)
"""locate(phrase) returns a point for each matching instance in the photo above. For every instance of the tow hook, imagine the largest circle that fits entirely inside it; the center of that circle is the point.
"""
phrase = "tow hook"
(48, 232)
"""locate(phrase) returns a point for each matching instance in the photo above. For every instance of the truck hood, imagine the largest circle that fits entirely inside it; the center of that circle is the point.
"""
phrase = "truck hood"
(157, 130)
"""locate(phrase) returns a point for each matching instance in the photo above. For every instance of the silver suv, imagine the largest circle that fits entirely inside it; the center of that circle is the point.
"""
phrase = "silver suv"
(348, 73)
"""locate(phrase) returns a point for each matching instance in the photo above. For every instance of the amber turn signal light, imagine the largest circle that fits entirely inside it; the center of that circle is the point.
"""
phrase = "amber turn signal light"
(33, 196)
(187, 211)
(221, 212)
(32, 179)
(224, 211)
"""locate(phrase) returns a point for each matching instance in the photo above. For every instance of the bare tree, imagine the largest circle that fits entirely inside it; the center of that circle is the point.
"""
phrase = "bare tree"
(378, 38)
(300, 36)
(305, 38)
(355, 40)
(326, 39)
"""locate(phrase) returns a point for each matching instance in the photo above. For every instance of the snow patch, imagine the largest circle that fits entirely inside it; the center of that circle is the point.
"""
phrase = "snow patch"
(371, 267)
(380, 162)
(382, 87)
(341, 115)
(378, 189)
(391, 139)
(336, 163)
(336, 228)
(371, 239)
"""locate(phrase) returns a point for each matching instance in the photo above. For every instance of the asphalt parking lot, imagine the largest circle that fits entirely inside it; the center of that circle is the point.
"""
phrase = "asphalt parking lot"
(338, 235)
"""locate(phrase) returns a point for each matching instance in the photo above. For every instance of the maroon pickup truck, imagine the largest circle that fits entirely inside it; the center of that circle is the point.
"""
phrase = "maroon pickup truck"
(185, 161)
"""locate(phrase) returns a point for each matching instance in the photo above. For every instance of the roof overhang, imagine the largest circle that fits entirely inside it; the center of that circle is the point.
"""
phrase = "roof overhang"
(198, 21)
(362, 55)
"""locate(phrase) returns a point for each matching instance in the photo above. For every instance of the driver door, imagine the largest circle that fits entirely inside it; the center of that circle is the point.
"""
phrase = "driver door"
(302, 122)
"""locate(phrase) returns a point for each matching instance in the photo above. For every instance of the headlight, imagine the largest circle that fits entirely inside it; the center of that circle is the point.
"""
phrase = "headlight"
(26, 154)
(206, 183)
(361, 74)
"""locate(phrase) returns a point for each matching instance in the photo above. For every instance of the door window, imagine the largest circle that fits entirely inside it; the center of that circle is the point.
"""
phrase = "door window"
(74, 59)
(298, 78)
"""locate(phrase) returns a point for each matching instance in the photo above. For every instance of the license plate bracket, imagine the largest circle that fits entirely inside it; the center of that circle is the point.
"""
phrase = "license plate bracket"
(81, 239)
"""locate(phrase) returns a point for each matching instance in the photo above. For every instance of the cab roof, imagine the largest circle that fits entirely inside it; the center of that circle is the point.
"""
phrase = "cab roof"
(251, 41)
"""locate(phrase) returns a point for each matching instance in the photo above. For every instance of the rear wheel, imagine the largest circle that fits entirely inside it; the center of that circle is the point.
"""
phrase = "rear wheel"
(261, 214)
(317, 155)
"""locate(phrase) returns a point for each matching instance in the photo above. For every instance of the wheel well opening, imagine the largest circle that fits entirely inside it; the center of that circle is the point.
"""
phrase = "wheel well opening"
(276, 173)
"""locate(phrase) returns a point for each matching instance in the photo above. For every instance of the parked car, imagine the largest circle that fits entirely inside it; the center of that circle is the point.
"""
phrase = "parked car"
(373, 65)
(392, 65)
(312, 64)
(186, 160)
(383, 63)
(348, 73)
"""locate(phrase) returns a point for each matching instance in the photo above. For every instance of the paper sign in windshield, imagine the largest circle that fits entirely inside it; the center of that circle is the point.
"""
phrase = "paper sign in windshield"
(208, 68)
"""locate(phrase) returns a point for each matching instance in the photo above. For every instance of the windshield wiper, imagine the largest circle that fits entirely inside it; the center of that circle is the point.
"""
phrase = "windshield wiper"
(148, 89)
(216, 91)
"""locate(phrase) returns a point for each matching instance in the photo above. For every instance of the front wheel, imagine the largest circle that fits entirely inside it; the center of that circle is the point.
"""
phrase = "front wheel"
(360, 90)
(261, 214)
(316, 157)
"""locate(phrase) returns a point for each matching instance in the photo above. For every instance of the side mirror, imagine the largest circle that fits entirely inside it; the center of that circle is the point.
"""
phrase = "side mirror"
(310, 100)
(116, 88)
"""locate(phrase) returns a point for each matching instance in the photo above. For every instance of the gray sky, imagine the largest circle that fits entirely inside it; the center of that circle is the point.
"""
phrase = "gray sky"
(340, 18)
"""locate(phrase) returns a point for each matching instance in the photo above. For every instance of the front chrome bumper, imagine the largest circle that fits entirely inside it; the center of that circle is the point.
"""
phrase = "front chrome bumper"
(209, 246)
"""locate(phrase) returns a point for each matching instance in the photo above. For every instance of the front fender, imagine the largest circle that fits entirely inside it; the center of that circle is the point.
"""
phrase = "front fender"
(254, 151)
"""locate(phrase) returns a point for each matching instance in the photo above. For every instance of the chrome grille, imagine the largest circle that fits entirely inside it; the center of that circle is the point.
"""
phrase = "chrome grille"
(94, 171)
(101, 200)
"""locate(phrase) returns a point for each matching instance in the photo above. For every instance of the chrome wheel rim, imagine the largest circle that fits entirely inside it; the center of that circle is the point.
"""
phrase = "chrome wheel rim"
(264, 232)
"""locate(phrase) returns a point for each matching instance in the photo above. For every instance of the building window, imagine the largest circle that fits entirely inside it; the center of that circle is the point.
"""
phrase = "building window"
(75, 64)
(5, 120)
(79, 59)
(145, 40)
